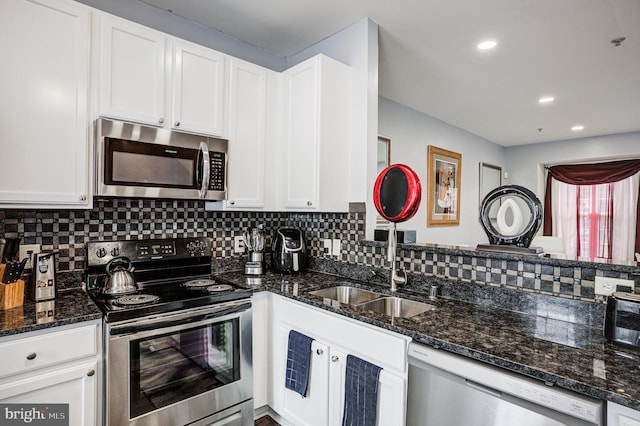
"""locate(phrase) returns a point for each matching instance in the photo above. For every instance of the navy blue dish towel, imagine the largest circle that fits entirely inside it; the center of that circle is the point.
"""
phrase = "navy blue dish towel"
(360, 392)
(298, 361)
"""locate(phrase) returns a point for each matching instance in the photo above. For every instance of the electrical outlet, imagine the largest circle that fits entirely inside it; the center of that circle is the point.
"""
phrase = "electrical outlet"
(607, 286)
(336, 247)
(327, 245)
(24, 252)
(238, 244)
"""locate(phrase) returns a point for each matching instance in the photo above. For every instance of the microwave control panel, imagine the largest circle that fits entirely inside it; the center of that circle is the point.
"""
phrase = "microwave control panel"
(217, 160)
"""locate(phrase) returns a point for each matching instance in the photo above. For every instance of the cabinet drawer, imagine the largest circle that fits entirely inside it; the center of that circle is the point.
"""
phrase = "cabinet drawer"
(386, 349)
(42, 350)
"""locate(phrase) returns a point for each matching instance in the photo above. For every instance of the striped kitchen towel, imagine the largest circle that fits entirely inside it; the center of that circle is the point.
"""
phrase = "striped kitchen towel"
(298, 362)
(360, 392)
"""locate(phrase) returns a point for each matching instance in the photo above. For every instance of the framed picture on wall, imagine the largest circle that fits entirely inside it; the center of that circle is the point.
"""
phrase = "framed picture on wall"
(443, 187)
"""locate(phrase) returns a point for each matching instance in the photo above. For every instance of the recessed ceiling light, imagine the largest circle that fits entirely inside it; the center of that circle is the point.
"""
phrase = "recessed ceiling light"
(486, 45)
(577, 127)
(546, 99)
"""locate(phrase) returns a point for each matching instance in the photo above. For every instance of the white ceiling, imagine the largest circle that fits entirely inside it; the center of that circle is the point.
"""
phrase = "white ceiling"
(429, 60)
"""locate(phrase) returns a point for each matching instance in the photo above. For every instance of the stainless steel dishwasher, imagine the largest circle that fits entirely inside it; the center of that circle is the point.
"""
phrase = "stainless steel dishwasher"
(449, 390)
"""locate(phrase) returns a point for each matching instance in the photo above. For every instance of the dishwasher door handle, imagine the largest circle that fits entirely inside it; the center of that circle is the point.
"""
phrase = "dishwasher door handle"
(483, 388)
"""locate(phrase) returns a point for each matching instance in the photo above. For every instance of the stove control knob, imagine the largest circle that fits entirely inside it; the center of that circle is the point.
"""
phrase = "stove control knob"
(115, 251)
(101, 252)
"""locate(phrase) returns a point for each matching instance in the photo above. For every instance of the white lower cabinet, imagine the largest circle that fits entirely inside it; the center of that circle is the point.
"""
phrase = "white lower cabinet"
(618, 415)
(45, 368)
(334, 338)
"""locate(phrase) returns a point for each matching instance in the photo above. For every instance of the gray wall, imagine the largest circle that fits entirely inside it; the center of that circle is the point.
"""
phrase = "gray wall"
(411, 132)
(525, 163)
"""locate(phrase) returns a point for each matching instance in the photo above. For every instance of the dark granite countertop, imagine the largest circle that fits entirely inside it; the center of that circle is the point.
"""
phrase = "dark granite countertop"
(72, 305)
(572, 356)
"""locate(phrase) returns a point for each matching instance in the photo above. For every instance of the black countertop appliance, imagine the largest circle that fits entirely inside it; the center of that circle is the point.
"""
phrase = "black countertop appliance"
(288, 251)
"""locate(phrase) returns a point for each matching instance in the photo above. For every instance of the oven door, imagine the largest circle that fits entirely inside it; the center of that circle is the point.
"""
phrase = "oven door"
(178, 368)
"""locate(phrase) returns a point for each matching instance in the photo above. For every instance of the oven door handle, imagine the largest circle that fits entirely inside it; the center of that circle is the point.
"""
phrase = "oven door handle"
(156, 325)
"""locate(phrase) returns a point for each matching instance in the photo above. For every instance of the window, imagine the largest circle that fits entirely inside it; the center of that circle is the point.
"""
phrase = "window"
(594, 221)
(594, 208)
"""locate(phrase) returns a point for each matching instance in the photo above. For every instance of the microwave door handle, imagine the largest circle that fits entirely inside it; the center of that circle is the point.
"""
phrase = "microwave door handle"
(205, 171)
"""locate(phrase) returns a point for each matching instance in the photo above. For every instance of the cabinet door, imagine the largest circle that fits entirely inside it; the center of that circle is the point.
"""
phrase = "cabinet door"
(74, 385)
(313, 409)
(392, 399)
(132, 71)
(391, 393)
(198, 89)
(43, 114)
(247, 135)
(301, 149)
(317, 136)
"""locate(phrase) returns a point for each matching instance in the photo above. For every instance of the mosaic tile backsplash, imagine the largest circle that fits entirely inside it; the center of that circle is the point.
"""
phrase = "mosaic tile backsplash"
(68, 231)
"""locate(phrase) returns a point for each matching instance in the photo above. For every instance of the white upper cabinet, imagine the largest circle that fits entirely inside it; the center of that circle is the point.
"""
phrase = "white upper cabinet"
(247, 135)
(198, 89)
(132, 71)
(317, 135)
(145, 75)
(44, 128)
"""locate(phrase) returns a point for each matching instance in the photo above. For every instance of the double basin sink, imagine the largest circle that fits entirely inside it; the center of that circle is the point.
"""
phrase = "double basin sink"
(375, 302)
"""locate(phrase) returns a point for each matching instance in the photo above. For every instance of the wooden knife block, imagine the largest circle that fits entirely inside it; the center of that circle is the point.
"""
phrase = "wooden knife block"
(11, 295)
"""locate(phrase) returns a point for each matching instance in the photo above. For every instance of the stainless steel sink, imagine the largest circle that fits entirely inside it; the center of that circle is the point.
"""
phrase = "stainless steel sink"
(346, 294)
(397, 307)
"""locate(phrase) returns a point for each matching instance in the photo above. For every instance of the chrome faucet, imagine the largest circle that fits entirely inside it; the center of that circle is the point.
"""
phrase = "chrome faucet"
(396, 278)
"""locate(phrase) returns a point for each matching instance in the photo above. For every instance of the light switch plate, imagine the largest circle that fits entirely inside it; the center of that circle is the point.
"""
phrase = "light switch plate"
(238, 244)
(336, 247)
(607, 286)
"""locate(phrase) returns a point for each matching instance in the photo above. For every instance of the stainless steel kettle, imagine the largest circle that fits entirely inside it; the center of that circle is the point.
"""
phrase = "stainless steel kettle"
(119, 279)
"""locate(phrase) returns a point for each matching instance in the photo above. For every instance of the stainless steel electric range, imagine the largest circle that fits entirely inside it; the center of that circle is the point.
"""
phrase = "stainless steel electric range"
(178, 350)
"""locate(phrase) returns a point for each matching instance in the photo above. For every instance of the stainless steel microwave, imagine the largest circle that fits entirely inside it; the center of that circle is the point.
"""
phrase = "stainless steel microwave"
(133, 160)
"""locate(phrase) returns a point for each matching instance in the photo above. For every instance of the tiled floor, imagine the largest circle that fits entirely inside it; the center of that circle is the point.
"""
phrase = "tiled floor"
(266, 421)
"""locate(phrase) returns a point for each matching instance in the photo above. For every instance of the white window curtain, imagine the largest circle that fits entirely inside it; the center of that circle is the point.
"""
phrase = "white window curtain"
(625, 207)
(625, 199)
(563, 199)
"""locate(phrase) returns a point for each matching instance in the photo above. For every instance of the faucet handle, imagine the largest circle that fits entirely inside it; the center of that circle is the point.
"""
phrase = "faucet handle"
(404, 276)
(399, 279)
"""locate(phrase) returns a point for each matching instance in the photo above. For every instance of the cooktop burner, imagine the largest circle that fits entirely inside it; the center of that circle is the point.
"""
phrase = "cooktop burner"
(136, 300)
(198, 284)
(219, 288)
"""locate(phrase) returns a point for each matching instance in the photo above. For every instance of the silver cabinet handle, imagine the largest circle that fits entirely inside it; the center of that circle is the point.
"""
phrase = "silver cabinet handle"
(334, 358)
(177, 123)
(319, 351)
(83, 197)
(91, 373)
(309, 203)
(31, 356)
(232, 202)
(161, 120)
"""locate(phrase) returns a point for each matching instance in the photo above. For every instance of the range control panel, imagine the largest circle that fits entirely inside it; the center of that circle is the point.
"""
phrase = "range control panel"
(99, 253)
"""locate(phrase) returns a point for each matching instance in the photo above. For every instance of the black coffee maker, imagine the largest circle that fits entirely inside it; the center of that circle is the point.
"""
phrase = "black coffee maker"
(288, 251)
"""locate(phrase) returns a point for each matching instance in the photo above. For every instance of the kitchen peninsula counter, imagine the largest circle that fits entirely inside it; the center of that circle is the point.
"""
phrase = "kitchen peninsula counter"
(559, 353)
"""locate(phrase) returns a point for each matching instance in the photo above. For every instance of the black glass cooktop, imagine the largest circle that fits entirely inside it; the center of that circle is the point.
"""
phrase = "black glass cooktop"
(168, 297)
